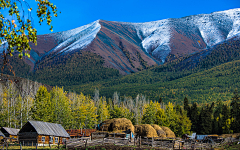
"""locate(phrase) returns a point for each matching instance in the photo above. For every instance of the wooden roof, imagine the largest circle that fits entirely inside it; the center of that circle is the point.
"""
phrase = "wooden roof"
(10, 131)
(46, 128)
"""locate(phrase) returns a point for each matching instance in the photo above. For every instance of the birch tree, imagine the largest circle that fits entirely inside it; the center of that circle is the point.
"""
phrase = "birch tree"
(102, 110)
(61, 110)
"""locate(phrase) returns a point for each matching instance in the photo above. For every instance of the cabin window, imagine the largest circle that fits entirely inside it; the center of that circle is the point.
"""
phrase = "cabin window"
(43, 138)
(56, 139)
(51, 139)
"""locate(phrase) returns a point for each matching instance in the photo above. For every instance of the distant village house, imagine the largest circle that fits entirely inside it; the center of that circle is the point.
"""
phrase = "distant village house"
(10, 133)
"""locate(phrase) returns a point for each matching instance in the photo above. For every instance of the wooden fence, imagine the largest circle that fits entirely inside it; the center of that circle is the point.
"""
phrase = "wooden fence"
(163, 143)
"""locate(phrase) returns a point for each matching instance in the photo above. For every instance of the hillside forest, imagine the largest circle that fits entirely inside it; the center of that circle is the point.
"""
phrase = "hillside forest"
(203, 77)
(75, 111)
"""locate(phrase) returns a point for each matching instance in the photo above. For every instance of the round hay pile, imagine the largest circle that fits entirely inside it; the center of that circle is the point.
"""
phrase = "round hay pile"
(168, 132)
(117, 125)
(145, 130)
(161, 133)
(159, 130)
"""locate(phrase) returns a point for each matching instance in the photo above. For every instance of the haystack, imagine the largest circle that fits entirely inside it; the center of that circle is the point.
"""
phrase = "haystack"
(117, 125)
(145, 130)
(168, 132)
(159, 130)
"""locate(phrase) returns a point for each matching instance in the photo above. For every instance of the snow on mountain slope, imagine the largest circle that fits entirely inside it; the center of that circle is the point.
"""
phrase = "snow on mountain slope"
(234, 15)
(77, 38)
(155, 37)
(209, 30)
(212, 28)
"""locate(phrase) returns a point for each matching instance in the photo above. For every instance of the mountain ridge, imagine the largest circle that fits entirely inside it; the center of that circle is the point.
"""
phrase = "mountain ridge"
(127, 47)
(155, 40)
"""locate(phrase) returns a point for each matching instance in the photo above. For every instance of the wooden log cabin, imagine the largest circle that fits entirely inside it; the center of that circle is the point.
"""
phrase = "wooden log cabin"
(42, 133)
(10, 133)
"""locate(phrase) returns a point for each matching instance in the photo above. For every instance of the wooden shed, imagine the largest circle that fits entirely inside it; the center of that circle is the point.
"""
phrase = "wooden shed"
(10, 133)
(38, 132)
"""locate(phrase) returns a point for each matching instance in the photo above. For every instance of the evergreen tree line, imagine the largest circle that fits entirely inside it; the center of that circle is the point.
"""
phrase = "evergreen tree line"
(217, 118)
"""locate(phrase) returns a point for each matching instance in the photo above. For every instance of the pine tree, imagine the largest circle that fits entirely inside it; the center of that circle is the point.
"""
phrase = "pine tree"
(186, 107)
(194, 117)
(217, 122)
(235, 112)
(205, 119)
(160, 100)
(225, 122)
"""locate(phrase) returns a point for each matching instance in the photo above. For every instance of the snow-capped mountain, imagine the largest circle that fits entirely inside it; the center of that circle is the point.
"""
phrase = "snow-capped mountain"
(77, 38)
(127, 46)
(191, 33)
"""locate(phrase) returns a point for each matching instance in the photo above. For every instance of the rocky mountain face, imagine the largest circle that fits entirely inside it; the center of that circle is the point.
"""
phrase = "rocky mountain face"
(131, 47)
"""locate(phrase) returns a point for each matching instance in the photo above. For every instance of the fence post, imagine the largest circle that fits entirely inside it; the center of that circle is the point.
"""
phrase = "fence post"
(134, 141)
(86, 143)
(161, 142)
(114, 138)
(6, 145)
(66, 143)
(173, 143)
(152, 141)
(179, 145)
(20, 146)
(201, 144)
(147, 141)
(140, 141)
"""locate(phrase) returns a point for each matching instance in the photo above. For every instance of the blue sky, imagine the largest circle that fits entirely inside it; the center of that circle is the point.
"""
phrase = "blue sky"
(75, 13)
